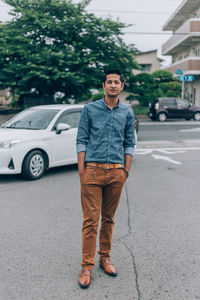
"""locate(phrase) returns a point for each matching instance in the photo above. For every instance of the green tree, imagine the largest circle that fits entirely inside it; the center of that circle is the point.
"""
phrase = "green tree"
(170, 89)
(162, 76)
(98, 95)
(53, 46)
(160, 83)
(143, 85)
(166, 84)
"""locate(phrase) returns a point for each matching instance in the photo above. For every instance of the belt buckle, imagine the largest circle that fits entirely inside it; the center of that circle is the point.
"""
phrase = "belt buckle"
(107, 164)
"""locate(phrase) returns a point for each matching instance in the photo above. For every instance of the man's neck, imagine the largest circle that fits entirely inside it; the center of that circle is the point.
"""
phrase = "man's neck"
(111, 101)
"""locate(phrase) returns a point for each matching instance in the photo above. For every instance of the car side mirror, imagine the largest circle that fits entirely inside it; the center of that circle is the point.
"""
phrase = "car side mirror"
(62, 127)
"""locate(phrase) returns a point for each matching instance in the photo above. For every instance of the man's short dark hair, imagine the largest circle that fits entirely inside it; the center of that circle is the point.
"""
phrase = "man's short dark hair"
(113, 71)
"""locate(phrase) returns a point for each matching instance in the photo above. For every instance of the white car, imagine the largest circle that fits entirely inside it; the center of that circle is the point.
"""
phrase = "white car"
(39, 138)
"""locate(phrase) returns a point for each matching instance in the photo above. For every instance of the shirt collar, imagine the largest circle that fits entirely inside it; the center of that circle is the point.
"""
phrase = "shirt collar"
(106, 107)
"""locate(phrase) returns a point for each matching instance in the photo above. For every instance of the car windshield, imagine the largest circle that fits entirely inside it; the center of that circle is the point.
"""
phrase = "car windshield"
(32, 119)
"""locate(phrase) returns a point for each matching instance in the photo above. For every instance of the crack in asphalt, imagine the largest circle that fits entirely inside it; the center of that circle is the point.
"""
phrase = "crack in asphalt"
(126, 246)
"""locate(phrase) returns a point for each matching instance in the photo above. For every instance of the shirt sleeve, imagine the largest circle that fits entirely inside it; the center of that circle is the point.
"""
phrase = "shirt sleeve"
(129, 140)
(83, 131)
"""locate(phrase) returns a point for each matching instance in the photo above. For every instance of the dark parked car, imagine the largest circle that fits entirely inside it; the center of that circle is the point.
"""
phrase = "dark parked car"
(163, 108)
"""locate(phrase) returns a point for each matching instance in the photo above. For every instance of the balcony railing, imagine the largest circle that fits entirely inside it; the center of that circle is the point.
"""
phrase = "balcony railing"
(185, 35)
(188, 66)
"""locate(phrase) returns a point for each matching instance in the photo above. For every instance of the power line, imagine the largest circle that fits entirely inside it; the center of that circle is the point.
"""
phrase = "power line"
(130, 12)
(161, 33)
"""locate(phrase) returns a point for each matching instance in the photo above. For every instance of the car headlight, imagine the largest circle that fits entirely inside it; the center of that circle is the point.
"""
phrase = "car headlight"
(9, 144)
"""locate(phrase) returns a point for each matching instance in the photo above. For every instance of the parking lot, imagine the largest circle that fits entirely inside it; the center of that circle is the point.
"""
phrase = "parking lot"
(156, 241)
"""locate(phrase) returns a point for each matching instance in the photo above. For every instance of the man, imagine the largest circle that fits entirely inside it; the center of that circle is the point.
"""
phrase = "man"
(105, 146)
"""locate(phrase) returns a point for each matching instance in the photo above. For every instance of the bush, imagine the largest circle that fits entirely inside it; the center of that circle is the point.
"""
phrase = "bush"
(98, 96)
(140, 110)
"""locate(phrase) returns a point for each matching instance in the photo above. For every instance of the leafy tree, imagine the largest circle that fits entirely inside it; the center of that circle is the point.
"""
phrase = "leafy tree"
(170, 89)
(98, 95)
(166, 84)
(143, 84)
(162, 76)
(160, 83)
(55, 46)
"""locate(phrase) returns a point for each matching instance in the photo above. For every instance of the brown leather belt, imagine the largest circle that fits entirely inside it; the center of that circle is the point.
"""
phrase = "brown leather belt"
(105, 166)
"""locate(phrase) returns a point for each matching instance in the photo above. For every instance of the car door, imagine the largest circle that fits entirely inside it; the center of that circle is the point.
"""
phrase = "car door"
(183, 109)
(170, 106)
(63, 144)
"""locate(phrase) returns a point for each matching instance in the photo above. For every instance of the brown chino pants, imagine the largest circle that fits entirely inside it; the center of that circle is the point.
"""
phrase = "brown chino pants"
(100, 193)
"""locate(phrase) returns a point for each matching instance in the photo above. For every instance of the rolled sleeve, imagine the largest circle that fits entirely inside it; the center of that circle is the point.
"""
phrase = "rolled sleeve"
(129, 141)
(83, 131)
(130, 151)
(80, 148)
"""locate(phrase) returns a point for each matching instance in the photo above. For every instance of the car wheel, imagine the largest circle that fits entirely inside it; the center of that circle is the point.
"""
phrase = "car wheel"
(197, 116)
(162, 117)
(34, 165)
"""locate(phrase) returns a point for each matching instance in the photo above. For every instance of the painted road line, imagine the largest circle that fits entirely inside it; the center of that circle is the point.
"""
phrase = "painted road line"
(191, 130)
(169, 123)
(172, 150)
(166, 158)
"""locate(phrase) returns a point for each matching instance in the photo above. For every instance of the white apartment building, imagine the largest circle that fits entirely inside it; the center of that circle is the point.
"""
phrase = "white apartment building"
(184, 45)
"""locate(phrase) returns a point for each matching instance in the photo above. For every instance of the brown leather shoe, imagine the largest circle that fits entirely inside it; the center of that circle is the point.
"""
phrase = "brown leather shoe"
(85, 278)
(108, 267)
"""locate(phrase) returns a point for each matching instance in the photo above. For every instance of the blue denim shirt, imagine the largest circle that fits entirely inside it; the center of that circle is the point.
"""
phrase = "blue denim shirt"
(105, 134)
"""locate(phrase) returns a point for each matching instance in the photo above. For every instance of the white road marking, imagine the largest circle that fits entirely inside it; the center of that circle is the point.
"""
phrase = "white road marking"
(191, 130)
(169, 123)
(143, 151)
(167, 159)
(171, 151)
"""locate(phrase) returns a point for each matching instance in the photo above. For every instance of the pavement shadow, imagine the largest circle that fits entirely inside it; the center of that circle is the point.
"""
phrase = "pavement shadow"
(51, 172)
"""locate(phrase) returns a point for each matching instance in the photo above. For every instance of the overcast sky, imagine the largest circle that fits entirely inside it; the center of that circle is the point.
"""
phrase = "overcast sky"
(146, 16)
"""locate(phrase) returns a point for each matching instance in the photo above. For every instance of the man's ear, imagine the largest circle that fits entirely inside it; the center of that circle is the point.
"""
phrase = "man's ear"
(122, 86)
(103, 85)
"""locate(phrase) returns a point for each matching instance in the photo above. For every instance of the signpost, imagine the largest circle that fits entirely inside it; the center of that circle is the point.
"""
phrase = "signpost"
(179, 72)
(184, 78)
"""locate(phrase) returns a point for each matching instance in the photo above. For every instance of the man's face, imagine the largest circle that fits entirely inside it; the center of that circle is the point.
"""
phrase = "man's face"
(113, 85)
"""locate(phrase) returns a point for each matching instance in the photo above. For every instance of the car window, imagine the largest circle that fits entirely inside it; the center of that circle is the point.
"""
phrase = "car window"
(169, 102)
(183, 103)
(70, 118)
(32, 119)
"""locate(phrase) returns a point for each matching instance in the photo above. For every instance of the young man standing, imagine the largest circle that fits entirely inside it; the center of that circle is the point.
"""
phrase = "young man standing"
(105, 146)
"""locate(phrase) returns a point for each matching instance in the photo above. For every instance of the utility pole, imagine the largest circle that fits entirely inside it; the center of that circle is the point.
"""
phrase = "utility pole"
(182, 91)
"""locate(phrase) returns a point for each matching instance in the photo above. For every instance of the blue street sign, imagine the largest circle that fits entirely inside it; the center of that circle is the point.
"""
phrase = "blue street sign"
(179, 72)
(186, 78)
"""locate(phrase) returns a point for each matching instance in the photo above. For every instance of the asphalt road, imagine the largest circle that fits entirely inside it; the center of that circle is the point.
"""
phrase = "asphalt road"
(156, 241)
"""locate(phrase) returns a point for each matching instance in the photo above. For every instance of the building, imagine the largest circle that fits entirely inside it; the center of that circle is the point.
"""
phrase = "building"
(184, 46)
(148, 62)
(5, 97)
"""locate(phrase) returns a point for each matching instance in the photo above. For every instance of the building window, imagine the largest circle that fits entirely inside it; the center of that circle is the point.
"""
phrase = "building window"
(145, 67)
(196, 15)
(197, 51)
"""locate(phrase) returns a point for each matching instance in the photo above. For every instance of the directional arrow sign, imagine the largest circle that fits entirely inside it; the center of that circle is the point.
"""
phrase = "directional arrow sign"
(167, 159)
